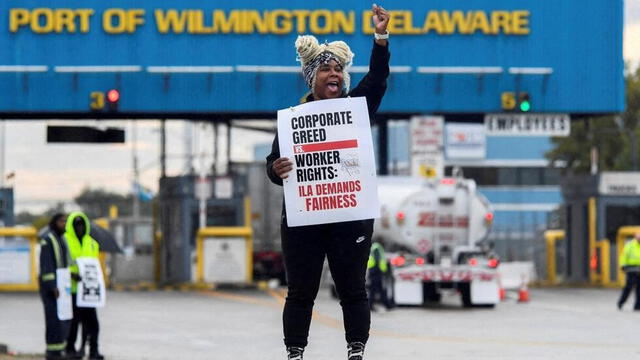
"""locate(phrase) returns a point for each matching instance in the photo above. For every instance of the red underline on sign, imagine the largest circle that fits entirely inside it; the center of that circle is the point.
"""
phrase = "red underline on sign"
(331, 145)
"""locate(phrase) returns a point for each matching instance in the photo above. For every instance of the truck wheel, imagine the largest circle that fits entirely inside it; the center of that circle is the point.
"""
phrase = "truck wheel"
(465, 294)
(389, 287)
(431, 293)
(485, 306)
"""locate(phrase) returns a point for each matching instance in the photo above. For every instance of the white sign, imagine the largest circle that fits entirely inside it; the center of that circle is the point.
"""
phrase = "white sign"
(63, 302)
(427, 158)
(225, 260)
(334, 174)
(465, 141)
(15, 264)
(224, 188)
(203, 188)
(91, 290)
(619, 183)
(527, 124)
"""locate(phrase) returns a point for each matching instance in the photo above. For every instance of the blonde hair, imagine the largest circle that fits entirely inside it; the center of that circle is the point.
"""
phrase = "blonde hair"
(308, 48)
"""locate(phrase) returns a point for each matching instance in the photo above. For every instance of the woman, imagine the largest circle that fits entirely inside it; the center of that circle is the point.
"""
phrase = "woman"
(346, 245)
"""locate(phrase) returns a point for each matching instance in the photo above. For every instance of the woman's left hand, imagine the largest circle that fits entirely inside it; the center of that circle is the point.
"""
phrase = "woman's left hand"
(380, 19)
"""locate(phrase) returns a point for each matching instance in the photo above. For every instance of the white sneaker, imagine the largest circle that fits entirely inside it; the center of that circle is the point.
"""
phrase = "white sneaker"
(294, 353)
(355, 350)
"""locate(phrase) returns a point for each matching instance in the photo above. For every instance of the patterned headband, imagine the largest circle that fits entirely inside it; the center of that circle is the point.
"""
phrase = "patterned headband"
(309, 70)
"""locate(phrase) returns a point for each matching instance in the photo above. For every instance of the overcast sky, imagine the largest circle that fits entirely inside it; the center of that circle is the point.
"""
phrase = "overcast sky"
(46, 173)
(632, 32)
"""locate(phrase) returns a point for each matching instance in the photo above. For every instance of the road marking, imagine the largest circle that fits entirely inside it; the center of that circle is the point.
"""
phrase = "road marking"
(316, 315)
(279, 299)
(279, 296)
(240, 298)
(505, 341)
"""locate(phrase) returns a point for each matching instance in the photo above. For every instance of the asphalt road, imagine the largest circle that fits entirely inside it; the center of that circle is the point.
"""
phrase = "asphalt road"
(246, 324)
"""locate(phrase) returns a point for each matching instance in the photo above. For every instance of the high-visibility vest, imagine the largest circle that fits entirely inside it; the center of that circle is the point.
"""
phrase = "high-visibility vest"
(630, 254)
(382, 264)
(61, 259)
(60, 255)
(85, 247)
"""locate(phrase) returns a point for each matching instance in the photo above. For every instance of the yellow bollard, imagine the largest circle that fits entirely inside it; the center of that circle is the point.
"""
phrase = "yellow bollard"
(605, 263)
(113, 212)
(551, 237)
(593, 276)
(601, 267)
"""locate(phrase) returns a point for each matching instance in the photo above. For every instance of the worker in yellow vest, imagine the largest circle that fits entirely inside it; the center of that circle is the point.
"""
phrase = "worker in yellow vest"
(81, 244)
(378, 268)
(630, 263)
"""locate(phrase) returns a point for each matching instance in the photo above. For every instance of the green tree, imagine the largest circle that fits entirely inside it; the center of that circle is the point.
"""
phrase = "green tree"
(631, 116)
(38, 220)
(96, 203)
(615, 137)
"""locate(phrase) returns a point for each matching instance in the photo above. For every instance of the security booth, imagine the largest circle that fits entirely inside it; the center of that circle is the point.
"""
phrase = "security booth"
(7, 216)
(597, 207)
(137, 262)
(181, 209)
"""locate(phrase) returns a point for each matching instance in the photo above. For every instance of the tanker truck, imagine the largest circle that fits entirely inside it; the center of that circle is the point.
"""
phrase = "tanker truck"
(435, 233)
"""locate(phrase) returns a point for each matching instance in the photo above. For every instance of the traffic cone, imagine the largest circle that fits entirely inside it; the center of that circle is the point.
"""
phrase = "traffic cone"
(502, 293)
(523, 293)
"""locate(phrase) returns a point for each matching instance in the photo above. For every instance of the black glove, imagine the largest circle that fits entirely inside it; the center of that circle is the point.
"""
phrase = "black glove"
(76, 277)
(56, 293)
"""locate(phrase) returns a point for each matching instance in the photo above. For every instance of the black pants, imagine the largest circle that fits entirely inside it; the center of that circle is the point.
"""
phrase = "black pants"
(88, 318)
(346, 246)
(377, 290)
(56, 330)
(633, 279)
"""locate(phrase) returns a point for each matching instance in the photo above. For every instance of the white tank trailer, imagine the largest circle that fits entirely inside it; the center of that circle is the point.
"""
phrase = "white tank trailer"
(435, 231)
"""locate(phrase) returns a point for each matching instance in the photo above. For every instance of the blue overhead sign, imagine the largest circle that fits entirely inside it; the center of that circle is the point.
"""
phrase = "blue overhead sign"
(196, 58)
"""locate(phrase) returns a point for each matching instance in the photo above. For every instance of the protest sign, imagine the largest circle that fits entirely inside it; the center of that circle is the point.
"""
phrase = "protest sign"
(63, 283)
(91, 289)
(334, 174)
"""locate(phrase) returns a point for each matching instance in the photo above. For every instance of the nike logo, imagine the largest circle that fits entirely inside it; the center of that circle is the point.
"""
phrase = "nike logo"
(360, 239)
